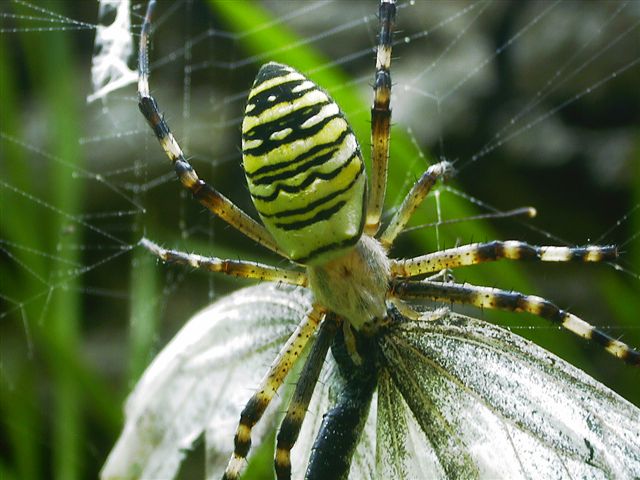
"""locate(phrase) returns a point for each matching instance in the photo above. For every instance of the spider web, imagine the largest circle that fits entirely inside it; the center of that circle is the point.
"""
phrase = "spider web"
(536, 104)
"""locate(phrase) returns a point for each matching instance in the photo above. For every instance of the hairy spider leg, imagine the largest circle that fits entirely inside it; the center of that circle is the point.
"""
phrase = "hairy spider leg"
(475, 253)
(495, 298)
(236, 268)
(413, 200)
(292, 421)
(257, 404)
(380, 117)
(208, 196)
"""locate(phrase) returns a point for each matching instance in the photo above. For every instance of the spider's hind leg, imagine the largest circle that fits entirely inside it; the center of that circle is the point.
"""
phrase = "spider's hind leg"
(292, 421)
(495, 298)
(475, 253)
(257, 404)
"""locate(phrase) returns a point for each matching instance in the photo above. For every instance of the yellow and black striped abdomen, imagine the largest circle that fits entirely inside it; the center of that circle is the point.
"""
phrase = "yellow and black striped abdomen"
(303, 165)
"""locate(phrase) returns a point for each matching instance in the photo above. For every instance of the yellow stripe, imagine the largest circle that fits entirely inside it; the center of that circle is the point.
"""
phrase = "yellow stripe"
(283, 458)
(577, 326)
(555, 254)
(281, 109)
(343, 152)
(617, 348)
(315, 191)
(273, 82)
(290, 151)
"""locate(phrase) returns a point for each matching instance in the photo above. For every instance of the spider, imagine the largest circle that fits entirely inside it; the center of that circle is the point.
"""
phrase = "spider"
(307, 179)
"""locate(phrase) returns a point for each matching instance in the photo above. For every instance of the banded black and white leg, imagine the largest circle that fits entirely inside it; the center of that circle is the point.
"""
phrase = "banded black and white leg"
(494, 298)
(475, 253)
(380, 117)
(208, 196)
(236, 268)
(292, 421)
(257, 404)
(413, 200)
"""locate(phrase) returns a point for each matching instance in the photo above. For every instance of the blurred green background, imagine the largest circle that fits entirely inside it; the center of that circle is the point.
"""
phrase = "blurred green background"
(83, 311)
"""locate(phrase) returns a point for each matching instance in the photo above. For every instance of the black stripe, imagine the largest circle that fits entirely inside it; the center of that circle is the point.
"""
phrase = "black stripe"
(241, 447)
(287, 174)
(349, 242)
(314, 175)
(552, 313)
(487, 251)
(252, 412)
(283, 92)
(316, 203)
(382, 80)
(322, 215)
(387, 13)
(269, 144)
(271, 70)
(506, 301)
(149, 108)
(300, 158)
(291, 120)
(601, 338)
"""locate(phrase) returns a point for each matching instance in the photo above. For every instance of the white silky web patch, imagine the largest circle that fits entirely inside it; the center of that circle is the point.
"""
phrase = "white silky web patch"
(457, 398)
(113, 48)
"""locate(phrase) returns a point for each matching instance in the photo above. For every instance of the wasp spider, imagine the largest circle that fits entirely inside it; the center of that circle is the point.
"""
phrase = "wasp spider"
(307, 179)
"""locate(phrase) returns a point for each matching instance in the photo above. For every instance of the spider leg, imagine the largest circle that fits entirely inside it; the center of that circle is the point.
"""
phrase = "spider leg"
(475, 253)
(494, 298)
(413, 200)
(208, 196)
(380, 117)
(236, 268)
(411, 313)
(292, 421)
(351, 344)
(268, 387)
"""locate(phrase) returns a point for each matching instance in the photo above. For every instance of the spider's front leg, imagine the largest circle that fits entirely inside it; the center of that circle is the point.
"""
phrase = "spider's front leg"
(413, 200)
(495, 298)
(381, 117)
(208, 196)
(267, 389)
